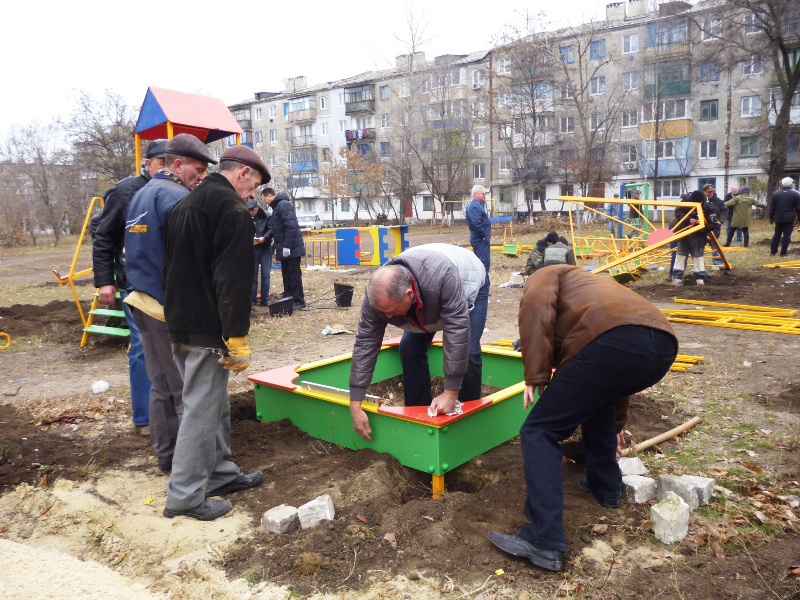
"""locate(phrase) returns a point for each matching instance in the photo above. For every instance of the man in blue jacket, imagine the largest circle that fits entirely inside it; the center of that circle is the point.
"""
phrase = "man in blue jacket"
(480, 237)
(289, 247)
(187, 162)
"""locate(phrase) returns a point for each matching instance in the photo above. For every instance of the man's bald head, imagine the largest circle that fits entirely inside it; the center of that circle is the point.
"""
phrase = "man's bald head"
(389, 290)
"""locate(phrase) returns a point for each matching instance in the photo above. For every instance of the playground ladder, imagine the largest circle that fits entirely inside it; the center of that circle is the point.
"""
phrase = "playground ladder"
(90, 327)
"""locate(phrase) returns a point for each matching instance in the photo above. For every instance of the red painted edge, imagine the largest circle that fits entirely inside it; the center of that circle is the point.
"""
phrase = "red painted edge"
(419, 414)
(282, 377)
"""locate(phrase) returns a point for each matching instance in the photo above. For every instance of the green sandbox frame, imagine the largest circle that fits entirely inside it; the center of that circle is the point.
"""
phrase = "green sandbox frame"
(433, 445)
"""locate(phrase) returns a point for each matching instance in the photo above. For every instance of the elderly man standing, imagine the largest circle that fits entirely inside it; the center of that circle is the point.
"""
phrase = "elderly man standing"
(480, 237)
(208, 278)
(289, 247)
(187, 162)
(783, 211)
(589, 328)
(109, 274)
(423, 290)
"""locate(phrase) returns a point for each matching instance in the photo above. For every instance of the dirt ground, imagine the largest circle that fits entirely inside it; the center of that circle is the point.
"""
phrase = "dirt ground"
(76, 482)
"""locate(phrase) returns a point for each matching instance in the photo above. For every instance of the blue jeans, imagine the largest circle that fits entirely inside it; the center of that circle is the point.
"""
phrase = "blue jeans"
(263, 260)
(583, 392)
(137, 371)
(729, 232)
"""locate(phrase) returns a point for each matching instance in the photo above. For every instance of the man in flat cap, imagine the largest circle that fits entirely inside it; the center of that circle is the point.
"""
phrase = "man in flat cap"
(109, 273)
(208, 275)
(187, 161)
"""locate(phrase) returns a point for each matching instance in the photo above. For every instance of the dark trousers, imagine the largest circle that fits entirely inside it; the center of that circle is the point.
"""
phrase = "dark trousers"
(264, 261)
(417, 375)
(293, 280)
(783, 234)
(741, 230)
(730, 232)
(583, 391)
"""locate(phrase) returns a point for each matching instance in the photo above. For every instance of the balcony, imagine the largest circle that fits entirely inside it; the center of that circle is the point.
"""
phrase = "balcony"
(664, 50)
(452, 123)
(668, 89)
(303, 140)
(359, 107)
(352, 135)
(245, 123)
(667, 167)
(307, 114)
(305, 166)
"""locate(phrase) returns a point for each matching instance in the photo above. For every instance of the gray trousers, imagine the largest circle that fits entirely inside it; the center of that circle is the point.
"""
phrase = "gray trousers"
(166, 387)
(202, 458)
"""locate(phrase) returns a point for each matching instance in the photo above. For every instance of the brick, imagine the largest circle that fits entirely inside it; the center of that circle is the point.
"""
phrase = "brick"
(631, 466)
(317, 510)
(670, 518)
(683, 488)
(280, 519)
(639, 489)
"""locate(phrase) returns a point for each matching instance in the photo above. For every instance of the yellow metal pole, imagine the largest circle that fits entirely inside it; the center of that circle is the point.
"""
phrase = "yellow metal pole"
(137, 145)
(170, 131)
(438, 486)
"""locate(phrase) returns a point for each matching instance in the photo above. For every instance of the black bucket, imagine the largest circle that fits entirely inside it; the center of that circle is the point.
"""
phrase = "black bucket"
(284, 306)
(344, 294)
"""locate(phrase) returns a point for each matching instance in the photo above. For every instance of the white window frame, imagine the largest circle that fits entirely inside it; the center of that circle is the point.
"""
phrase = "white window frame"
(630, 43)
(383, 90)
(273, 135)
(629, 153)
(479, 170)
(711, 30)
(385, 121)
(504, 66)
(674, 185)
(705, 149)
(597, 85)
(749, 25)
(597, 121)
(567, 93)
(259, 114)
(750, 106)
(630, 118)
(272, 112)
(479, 139)
(567, 124)
(402, 89)
(323, 129)
(323, 103)
(342, 125)
(665, 149)
(630, 81)
(752, 66)
(668, 107)
(506, 163)
(504, 131)
(567, 54)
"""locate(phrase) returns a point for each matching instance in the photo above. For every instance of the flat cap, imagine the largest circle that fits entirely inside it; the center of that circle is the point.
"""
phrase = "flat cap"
(156, 148)
(185, 144)
(252, 203)
(247, 156)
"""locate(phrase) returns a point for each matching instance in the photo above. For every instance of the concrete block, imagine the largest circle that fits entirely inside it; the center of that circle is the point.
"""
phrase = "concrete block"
(683, 488)
(704, 486)
(279, 519)
(318, 510)
(640, 489)
(631, 466)
(670, 518)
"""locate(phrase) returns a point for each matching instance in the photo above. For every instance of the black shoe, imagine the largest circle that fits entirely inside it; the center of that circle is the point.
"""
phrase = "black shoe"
(208, 510)
(165, 467)
(299, 306)
(242, 482)
(583, 483)
(552, 560)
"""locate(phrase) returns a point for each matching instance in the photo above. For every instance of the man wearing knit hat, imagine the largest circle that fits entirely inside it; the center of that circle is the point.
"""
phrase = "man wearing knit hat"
(109, 273)
(208, 274)
(783, 211)
(187, 162)
(693, 245)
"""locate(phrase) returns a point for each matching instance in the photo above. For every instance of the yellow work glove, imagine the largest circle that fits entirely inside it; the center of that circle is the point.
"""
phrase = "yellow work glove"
(238, 357)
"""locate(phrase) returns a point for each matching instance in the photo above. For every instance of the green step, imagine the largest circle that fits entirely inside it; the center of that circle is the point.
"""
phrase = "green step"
(102, 329)
(108, 312)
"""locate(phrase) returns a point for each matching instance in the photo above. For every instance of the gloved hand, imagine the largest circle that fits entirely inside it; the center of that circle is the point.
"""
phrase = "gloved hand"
(238, 357)
(286, 253)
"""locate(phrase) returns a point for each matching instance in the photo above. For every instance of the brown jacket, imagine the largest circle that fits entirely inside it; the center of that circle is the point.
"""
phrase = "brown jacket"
(563, 308)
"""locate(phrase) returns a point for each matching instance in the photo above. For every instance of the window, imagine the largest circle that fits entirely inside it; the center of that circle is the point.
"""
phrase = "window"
(709, 110)
(477, 78)
(323, 128)
(630, 117)
(709, 71)
(479, 140)
(701, 181)
(793, 142)
(340, 98)
(750, 23)
(326, 154)
(258, 137)
(384, 149)
(666, 32)
(566, 90)
(751, 106)
(597, 86)
(630, 81)
(479, 109)
(259, 114)
(504, 131)
(344, 205)
(274, 160)
(504, 66)
(751, 66)
(323, 102)
(427, 203)
(273, 135)
(385, 121)
(629, 153)
(479, 171)
(425, 145)
(630, 43)
(566, 189)
(665, 149)
(383, 92)
(708, 149)
(271, 112)
(342, 126)
(597, 121)
(567, 54)
(668, 109)
(402, 90)
(597, 49)
(567, 124)
(506, 162)
(711, 30)
(668, 188)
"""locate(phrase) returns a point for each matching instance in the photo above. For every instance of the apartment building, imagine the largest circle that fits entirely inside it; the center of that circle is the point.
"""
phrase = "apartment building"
(665, 96)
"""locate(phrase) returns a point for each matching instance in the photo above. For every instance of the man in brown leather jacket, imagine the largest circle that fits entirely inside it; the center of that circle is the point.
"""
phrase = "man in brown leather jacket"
(606, 342)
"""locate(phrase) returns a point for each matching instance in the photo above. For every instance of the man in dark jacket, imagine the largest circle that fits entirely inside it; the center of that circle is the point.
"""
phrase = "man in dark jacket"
(208, 271)
(187, 162)
(262, 244)
(719, 206)
(480, 238)
(561, 253)
(289, 248)
(728, 197)
(783, 211)
(589, 329)
(109, 274)
(693, 245)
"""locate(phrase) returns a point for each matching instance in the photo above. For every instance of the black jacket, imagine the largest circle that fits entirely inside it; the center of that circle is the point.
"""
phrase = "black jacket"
(208, 267)
(722, 214)
(784, 206)
(285, 230)
(108, 259)
(261, 223)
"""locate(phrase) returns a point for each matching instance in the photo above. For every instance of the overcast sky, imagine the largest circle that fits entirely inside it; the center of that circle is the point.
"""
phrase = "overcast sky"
(228, 50)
